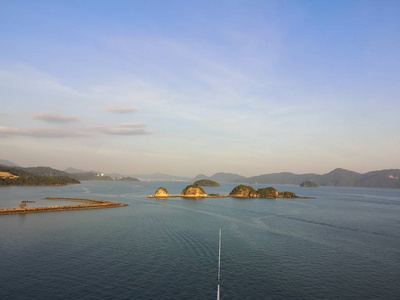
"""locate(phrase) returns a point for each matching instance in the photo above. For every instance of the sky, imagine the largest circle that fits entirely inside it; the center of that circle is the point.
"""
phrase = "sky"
(199, 87)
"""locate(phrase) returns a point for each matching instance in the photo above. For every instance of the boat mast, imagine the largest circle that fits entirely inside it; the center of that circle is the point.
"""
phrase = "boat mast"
(219, 265)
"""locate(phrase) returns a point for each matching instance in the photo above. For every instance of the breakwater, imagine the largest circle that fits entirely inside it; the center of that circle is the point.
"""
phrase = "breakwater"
(89, 204)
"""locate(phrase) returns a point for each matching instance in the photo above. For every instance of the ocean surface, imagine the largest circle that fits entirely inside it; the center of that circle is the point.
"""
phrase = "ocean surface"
(344, 244)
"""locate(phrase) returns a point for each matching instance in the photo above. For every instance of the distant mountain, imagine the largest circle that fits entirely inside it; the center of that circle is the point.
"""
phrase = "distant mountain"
(380, 179)
(101, 177)
(200, 176)
(337, 177)
(282, 178)
(73, 171)
(4, 162)
(45, 171)
(223, 177)
(161, 177)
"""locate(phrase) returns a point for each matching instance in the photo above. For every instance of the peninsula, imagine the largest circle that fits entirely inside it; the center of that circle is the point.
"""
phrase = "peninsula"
(88, 204)
(15, 176)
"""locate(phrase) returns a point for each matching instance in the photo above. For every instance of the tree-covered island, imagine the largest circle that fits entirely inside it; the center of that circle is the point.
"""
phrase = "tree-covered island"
(206, 182)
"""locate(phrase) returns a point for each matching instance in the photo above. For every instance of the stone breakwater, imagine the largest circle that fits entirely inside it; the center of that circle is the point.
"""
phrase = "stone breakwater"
(89, 204)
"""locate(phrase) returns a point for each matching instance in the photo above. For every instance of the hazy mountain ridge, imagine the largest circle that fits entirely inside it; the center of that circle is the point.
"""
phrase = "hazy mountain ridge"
(338, 177)
(389, 178)
(222, 177)
(4, 162)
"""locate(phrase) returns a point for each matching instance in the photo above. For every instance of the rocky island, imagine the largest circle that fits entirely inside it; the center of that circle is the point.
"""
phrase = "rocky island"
(309, 183)
(241, 191)
(207, 182)
(245, 191)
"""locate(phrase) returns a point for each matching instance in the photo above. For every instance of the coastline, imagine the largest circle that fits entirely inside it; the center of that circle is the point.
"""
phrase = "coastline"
(222, 196)
(90, 204)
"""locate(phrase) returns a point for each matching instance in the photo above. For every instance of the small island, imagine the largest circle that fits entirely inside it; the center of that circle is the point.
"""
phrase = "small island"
(207, 182)
(193, 190)
(241, 191)
(309, 183)
(89, 204)
(245, 191)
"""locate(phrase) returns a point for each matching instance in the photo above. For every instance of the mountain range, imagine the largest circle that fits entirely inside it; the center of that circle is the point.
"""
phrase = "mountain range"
(338, 177)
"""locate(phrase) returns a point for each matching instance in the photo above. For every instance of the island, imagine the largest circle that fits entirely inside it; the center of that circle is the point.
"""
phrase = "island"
(89, 204)
(193, 190)
(240, 191)
(206, 182)
(309, 183)
(245, 191)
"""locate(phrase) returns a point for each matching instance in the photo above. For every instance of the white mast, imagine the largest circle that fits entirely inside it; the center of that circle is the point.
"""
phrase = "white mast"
(219, 264)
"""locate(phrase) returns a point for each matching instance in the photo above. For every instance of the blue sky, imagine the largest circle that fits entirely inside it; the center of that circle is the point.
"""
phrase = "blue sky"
(189, 87)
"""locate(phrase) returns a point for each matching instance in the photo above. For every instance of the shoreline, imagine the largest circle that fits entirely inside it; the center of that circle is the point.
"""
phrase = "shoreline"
(90, 204)
(222, 196)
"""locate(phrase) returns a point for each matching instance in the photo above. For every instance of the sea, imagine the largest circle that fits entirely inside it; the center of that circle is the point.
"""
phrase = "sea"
(344, 243)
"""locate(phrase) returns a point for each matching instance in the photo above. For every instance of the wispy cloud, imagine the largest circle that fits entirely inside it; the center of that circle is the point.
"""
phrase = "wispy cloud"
(38, 132)
(122, 109)
(4, 115)
(126, 131)
(132, 124)
(54, 117)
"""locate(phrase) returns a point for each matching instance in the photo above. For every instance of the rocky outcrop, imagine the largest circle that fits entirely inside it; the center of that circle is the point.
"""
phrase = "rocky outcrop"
(244, 191)
(193, 191)
(161, 192)
(268, 192)
(309, 183)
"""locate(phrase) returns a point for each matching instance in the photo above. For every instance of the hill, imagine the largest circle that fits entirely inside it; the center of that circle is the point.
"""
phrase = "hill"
(337, 177)
(282, 178)
(223, 177)
(100, 177)
(18, 176)
(74, 170)
(161, 177)
(45, 171)
(4, 162)
(206, 182)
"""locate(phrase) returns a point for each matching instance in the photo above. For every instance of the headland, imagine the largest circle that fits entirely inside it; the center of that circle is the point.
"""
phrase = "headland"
(89, 204)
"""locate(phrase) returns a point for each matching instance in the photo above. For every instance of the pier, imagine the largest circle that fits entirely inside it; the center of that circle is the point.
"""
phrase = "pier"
(89, 204)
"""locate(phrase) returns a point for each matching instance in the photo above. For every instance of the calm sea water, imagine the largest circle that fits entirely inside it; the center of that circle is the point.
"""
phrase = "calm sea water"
(344, 244)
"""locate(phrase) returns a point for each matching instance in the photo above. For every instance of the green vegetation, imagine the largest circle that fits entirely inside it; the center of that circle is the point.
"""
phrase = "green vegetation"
(206, 182)
(22, 177)
(193, 190)
(268, 192)
(45, 171)
(286, 194)
(245, 191)
(309, 183)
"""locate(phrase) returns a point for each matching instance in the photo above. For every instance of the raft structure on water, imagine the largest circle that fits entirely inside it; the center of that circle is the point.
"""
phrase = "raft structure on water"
(89, 204)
